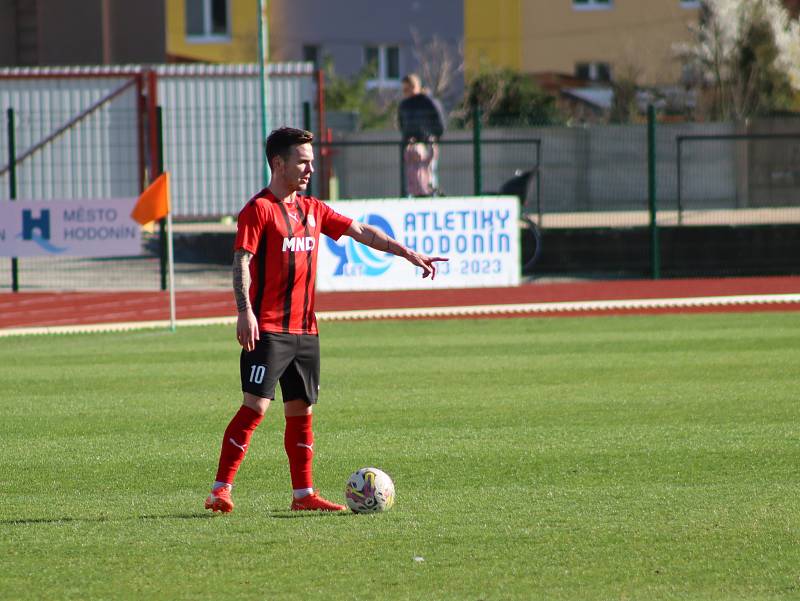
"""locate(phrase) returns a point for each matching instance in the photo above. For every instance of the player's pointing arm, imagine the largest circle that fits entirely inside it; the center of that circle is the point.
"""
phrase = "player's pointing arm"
(377, 239)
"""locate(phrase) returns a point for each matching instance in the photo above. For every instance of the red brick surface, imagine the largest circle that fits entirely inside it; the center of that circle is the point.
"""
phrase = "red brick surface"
(25, 309)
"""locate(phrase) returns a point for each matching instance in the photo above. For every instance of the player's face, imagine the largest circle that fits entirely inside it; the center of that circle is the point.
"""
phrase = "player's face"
(298, 167)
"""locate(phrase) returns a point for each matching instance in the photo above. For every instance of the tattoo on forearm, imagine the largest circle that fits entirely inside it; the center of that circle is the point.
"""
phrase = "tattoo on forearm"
(374, 234)
(241, 279)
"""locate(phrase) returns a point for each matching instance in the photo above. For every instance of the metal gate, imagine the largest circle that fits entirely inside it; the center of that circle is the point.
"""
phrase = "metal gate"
(92, 133)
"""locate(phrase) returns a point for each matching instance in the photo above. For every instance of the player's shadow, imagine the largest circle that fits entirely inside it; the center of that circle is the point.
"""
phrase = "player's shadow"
(286, 514)
(178, 516)
(20, 521)
(104, 518)
(282, 514)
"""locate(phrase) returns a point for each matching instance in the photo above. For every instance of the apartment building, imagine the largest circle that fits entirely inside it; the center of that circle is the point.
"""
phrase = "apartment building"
(350, 33)
(81, 32)
(212, 31)
(355, 33)
(591, 39)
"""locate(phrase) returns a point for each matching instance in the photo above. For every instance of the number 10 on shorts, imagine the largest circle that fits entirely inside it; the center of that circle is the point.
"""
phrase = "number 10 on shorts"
(257, 373)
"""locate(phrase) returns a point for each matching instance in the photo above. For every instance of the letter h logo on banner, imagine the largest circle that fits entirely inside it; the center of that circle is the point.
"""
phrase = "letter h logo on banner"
(37, 229)
(30, 223)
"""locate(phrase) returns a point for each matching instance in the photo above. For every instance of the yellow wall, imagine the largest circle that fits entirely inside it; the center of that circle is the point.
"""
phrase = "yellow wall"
(241, 48)
(633, 35)
(492, 34)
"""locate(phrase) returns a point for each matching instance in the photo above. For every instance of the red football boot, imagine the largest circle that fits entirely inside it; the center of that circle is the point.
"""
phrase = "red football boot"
(220, 500)
(314, 502)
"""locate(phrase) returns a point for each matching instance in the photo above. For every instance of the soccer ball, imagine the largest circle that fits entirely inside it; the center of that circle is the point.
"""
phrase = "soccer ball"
(369, 490)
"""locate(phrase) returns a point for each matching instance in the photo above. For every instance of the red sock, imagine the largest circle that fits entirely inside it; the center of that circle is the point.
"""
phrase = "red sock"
(298, 440)
(235, 442)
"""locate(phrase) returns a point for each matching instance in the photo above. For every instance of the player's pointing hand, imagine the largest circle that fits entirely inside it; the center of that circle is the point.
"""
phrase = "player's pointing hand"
(427, 264)
(379, 240)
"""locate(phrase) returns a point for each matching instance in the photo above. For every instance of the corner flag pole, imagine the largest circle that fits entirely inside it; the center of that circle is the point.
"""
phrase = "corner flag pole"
(154, 205)
(171, 263)
(170, 256)
(263, 58)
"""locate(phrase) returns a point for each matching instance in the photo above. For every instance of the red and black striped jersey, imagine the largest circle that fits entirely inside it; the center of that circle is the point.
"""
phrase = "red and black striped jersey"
(284, 238)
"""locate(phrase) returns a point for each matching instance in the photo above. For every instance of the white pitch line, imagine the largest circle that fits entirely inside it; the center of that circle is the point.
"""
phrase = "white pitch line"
(462, 311)
(122, 326)
(564, 307)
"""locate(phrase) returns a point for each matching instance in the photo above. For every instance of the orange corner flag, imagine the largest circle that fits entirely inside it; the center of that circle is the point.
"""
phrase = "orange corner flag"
(153, 204)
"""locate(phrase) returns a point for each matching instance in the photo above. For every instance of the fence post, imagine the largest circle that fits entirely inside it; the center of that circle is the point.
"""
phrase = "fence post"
(403, 187)
(263, 75)
(655, 252)
(307, 127)
(324, 185)
(538, 174)
(476, 150)
(162, 223)
(678, 141)
(12, 188)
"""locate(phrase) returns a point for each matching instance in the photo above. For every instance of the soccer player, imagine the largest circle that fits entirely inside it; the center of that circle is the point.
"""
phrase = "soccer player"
(274, 273)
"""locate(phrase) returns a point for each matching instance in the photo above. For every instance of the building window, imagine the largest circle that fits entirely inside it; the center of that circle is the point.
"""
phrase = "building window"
(384, 65)
(311, 54)
(207, 19)
(591, 4)
(690, 3)
(600, 72)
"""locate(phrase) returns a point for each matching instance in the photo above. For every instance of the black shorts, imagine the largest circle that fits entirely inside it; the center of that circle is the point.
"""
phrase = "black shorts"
(291, 359)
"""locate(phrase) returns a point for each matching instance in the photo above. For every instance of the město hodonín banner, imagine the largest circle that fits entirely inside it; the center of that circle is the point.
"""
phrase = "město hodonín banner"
(77, 228)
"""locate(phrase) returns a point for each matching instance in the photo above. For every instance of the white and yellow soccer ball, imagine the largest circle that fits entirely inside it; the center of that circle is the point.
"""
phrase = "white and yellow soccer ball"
(369, 490)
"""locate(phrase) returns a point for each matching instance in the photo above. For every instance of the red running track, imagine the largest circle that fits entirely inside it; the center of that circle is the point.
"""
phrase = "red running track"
(36, 309)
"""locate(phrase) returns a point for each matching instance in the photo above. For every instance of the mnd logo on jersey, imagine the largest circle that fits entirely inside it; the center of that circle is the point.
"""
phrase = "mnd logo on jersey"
(356, 259)
(299, 244)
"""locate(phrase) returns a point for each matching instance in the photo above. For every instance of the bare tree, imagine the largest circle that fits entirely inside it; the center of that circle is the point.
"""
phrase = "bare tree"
(440, 63)
(625, 84)
(746, 54)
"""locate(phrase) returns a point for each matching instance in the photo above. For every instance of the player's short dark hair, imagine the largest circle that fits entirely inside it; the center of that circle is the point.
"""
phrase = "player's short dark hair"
(280, 142)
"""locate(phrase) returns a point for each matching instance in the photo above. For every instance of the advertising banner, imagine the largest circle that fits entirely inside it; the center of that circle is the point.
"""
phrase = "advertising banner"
(78, 228)
(480, 236)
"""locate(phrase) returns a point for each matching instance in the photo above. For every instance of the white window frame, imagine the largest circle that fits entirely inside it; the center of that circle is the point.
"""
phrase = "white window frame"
(383, 80)
(594, 70)
(593, 5)
(207, 37)
(317, 62)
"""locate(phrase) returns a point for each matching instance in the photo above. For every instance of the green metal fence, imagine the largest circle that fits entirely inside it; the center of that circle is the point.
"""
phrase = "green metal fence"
(375, 168)
(648, 200)
(600, 201)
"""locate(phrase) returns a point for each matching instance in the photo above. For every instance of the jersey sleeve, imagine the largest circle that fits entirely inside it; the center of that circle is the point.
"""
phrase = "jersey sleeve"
(248, 228)
(333, 224)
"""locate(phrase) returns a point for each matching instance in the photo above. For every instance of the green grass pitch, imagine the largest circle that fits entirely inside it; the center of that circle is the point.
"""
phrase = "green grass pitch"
(639, 457)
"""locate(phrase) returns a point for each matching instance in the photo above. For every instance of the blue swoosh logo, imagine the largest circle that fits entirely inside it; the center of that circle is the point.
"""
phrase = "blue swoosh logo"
(45, 244)
(373, 263)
